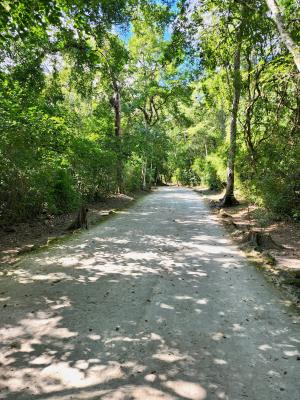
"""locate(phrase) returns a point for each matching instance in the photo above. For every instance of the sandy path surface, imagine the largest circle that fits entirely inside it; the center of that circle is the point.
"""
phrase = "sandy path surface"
(155, 303)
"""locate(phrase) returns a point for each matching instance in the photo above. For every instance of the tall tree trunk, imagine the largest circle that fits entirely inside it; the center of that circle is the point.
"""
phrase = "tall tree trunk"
(145, 175)
(222, 121)
(116, 103)
(249, 109)
(229, 199)
(150, 174)
(293, 48)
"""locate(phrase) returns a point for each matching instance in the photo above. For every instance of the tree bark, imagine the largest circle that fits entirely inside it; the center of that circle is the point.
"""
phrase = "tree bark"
(145, 175)
(286, 38)
(229, 199)
(116, 103)
(81, 219)
(150, 174)
(252, 99)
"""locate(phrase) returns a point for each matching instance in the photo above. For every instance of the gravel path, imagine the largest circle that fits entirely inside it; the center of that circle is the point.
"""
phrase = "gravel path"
(155, 303)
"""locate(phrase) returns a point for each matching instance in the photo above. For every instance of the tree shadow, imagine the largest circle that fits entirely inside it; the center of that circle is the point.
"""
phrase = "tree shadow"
(154, 304)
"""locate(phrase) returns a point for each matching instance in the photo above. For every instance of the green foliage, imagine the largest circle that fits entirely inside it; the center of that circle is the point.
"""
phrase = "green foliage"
(132, 174)
(207, 174)
(62, 66)
(58, 83)
(268, 152)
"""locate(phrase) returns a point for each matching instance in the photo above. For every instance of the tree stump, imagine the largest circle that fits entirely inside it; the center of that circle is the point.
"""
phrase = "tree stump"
(261, 241)
(81, 220)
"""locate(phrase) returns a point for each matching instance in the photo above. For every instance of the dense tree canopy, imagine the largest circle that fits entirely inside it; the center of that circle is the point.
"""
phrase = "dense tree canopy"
(104, 96)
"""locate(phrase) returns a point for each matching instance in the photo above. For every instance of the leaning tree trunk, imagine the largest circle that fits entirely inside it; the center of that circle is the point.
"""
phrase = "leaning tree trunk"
(116, 103)
(229, 199)
(293, 48)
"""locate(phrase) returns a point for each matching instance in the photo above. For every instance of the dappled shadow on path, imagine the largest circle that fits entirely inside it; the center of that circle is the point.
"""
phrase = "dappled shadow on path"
(154, 304)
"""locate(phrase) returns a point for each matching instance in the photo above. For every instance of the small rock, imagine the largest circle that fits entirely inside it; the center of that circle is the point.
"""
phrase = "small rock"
(117, 328)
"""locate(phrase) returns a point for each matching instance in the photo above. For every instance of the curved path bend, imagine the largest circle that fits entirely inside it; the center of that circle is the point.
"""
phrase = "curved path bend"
(154, 303)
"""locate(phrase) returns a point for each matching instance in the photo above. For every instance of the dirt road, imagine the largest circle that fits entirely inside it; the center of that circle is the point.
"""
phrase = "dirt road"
(155, 303)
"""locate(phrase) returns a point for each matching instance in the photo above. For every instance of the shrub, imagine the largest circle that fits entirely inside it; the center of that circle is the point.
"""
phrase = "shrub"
(207, 173)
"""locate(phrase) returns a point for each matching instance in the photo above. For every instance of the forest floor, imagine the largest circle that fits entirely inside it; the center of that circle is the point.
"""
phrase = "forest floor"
(282, 263)
(19, 238)
(154, 303)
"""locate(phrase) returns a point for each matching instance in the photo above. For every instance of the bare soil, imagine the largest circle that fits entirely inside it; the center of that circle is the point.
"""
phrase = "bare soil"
(281, 263)
(24, 237)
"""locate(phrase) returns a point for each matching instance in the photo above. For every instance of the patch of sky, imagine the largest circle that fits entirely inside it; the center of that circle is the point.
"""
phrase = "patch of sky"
(124, 31)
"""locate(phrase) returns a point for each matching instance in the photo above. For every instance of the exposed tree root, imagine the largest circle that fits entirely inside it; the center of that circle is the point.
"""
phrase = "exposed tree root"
(230, 223)
(261, 241)
(292, 281)
(228, 201)
(258, 240)
(269, 258)
(224, 214)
